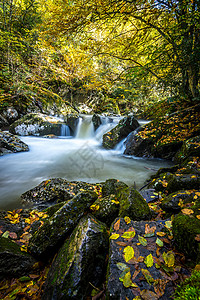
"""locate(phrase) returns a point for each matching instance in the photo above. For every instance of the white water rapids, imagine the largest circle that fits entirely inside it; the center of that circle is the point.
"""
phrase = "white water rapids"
(80, 158)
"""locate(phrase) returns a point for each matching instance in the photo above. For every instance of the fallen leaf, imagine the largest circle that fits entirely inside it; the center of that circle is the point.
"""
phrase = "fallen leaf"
(197, 237)
(129, 234)
(122, 266)
(6, 234)
(169, 259)
(159, 242)
(160, 233)
(149, 229)
(187, 211)
(128, 253)
(146, 295)
(168, 224)
(13, 235)
(114, 236)
(127, 282)
(123, 244)
(127, 220)
(117, 225)
(142, 240)
(149, 261)
(147, 275)
(198, 217)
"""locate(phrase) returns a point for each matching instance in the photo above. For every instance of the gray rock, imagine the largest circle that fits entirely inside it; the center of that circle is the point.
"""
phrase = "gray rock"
(72, 121)
(96, 119)
(55, 230)
(80, 261)
(13, 262)
(10, 143)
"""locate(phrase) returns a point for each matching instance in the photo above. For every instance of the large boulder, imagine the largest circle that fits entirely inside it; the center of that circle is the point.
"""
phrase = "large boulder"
(112, 186)
(13, 262)
(10, 143)
(3, 122)
(133, 205)
(55, 230)
(163, 137)
(36, 124)
(186, 232)
(80, 263)
(53, 191)
(138, 260)
(121, 131)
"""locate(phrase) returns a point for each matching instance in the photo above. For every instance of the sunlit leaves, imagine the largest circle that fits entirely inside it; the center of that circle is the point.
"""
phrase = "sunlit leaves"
(129, 234)
(114, 236)
(169, 259)
(149, 260)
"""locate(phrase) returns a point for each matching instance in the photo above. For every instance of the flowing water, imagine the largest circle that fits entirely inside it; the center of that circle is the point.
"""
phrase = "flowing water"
(80, 158)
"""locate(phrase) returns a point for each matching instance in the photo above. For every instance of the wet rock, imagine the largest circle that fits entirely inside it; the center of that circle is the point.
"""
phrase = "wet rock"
(136, 264)
(10, 143)
(186, 229)
(112, 186)
(11, 114)
(133, 205)
(13, 262)
(80, 261)
(36, 124)
(96, 119)
(106, 209)
(118, 133)
(164, 136)
(3, 122)
(171, 203)
(72, 121)
(53, 191)
(60, 225)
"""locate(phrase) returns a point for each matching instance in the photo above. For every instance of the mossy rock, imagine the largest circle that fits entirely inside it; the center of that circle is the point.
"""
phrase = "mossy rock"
(80, 262)
(13, 262)
(118, 133)
(10, 143)
(72, 121)
(55, 230)
(185, 229)
(36, 124)
(106, 209)
(190, 148)
(133, 205)
(112, 186)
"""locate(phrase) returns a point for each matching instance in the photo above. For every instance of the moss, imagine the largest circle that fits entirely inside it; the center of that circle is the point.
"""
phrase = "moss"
(189, 289)
(52, 209)
(185, 229)
(132, 204)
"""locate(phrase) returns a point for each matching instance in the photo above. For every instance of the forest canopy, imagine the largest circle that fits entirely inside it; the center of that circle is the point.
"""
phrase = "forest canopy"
(121, 53)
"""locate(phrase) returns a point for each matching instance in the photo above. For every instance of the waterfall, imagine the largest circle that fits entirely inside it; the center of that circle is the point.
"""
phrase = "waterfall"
(120, 148)
(65, 131)
(107, 123)
(85, 128)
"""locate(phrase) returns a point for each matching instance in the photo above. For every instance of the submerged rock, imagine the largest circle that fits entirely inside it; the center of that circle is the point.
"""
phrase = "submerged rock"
(13, 262)
(121, 131)
(96, 119)
(36, 124)
(10, 143)
(56, 229)
(80, 262)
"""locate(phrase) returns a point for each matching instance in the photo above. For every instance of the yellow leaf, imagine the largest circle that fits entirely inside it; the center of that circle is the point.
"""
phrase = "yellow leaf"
(128, 253)
(128, 234)
(198, 217)
(127, 282)
(187, 211)
(114, 236)
(169, 259)
(149, 261)
(115, 201)
(160, 233)
(127, 220)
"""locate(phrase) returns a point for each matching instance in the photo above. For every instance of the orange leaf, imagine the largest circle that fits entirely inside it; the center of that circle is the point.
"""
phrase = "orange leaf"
(198, 217)
(197, 238)
(13, 235)
(187, 211)
(149, 229)
(117, 225)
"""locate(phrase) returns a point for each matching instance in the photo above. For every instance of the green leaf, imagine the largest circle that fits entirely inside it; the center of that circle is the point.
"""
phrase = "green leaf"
(114, 236)
(142, 240)
(168, 224)
(128, 234)
(122, 266)
(159, 242)
(149, 261)
(128, 253)
(24, 278)
(6, 234)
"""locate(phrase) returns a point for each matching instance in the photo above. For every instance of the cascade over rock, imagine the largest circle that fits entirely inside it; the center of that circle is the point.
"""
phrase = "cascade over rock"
(121, 131)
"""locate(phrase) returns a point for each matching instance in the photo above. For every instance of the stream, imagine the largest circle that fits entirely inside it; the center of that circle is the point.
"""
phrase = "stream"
(79, 158)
